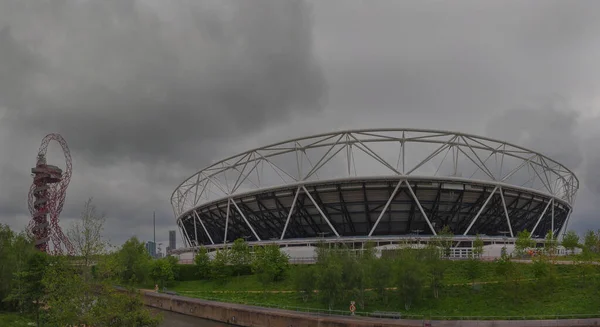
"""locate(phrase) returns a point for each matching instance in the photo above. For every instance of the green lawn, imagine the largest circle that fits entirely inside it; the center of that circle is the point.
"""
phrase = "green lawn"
(491, 297)
(14, 320)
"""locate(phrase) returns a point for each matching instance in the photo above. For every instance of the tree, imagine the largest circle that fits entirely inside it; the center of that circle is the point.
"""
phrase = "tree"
(544, 272)
(122, 309)
(86, 234)
(219, 266)
(202, 262)
(511, 273)
(240, 257)
(270, 264)
(590, 243)
(443, 240)
(305, 281)
(473, 269)
(360, 279)
(436, 268)
(570, 241)
(66, 301)
(523, 242)
(380, 276)
(29, 290)
(477, 247)
(411, 276)
(550, 244)
(22, 250)
(133, 261)
(329, 275)
(161, 272)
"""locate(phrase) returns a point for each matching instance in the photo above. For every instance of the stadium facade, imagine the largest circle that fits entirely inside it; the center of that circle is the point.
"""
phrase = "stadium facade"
(384, 185)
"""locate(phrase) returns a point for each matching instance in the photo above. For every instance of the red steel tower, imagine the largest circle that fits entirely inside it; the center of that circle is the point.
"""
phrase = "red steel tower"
(46, 199)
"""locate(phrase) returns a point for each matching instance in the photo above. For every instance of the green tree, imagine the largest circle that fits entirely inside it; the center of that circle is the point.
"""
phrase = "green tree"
(122, 309)
(86, 235)
(161, 272)
(590, 243)
(380, 276)
(477, 247)
(240, 257)
(270, 264)
(134, 261)
(473, 269)
(361, 278)
(411, 275)
(305, 281)
(443, 240)
(551, 244)
(29, 290)
(544, 273)
(570, 241)
(220, 270)
(22, 250)
(436, 267)
(511, 274)
(65, 294)
(202, 262)
(329, 275)
(523, 242)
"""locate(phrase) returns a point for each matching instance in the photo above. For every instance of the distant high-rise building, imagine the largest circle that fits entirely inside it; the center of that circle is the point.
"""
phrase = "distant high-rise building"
(172, 240)
(151, 248)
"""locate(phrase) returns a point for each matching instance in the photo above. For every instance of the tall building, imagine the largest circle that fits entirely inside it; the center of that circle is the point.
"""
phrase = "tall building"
(172, 240)
(151, 248)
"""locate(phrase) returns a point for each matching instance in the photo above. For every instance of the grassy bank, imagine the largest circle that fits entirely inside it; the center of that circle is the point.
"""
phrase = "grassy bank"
(492, 295)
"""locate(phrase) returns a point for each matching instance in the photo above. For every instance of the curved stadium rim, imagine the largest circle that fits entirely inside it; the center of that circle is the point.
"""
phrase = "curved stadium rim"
(330, 140)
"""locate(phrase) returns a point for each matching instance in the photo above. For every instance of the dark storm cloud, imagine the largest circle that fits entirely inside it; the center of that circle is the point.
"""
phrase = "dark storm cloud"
(125, 79)
(551, 131)
(147, 91)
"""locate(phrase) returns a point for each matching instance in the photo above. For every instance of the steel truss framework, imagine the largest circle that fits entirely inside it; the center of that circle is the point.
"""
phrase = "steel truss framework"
(372, 183)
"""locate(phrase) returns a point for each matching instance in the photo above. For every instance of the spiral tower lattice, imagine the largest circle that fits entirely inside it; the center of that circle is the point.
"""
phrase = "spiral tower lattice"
(47, 197)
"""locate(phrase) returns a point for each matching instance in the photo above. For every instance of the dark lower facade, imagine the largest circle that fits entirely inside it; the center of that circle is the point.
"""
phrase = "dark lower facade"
(373, 208)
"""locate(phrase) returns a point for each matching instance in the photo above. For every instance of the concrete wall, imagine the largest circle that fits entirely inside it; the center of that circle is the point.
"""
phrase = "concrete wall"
(245, 315)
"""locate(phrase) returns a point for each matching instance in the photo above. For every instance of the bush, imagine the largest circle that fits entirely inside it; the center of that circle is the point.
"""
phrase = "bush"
(186, 273)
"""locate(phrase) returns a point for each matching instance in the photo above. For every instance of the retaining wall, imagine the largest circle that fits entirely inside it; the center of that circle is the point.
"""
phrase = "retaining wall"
(246, 315)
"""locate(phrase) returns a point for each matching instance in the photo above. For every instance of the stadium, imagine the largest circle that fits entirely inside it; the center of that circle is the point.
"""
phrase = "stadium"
(388, 186)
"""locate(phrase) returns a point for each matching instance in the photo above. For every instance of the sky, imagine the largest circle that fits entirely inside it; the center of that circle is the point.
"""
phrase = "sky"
(147, 92)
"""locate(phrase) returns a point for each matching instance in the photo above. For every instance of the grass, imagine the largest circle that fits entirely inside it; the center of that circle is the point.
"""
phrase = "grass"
(568, 295)
(14, 320)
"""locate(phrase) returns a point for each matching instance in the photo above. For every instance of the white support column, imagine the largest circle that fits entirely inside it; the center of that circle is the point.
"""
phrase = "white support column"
(387, 204)
(563, 228)
(320, 211)
(506, 212)
(195, 231)
(287, 221)
(542, 216)
(186, 234)
(246, 220)
(227, 221)
(204, 227)
(481, 210)
(181, 231)
(412, 193)
(553, 235)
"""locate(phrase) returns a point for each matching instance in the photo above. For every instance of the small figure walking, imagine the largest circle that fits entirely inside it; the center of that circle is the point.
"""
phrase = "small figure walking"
(156, 288)
(352, 308)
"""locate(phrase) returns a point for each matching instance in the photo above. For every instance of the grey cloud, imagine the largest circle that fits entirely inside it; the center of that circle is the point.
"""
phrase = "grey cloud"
(147, 91)
(550, 130)
(120, 80)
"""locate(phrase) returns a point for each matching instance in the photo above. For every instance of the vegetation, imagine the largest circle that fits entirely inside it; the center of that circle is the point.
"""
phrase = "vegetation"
(412, 281)
(60, 291)
(57, 290)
